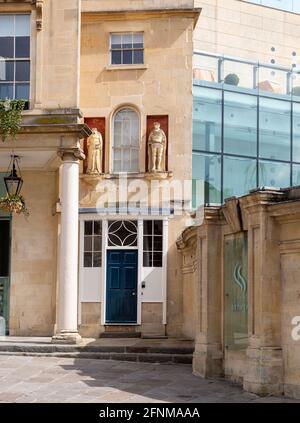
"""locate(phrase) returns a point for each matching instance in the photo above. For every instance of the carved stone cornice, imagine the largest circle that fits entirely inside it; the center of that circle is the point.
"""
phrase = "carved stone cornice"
(233, 215)
(71, 153)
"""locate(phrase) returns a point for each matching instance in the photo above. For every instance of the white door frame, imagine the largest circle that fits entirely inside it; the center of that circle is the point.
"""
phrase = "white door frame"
(140, 219)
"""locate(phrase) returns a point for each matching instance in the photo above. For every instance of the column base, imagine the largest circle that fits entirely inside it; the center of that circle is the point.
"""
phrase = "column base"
(66, 337)
(208, 360)
(264, 374)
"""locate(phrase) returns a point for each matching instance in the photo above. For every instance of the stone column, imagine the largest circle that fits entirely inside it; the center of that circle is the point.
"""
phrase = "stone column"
(67, 325)
(208, 356)
(264, 374)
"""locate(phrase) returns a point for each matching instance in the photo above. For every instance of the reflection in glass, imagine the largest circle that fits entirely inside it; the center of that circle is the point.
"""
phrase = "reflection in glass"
(207, 119)
(274, 129)
(206, 179)
(296, 175)
(239, 176)
(240, 124)
(274, 174)
(296, 132)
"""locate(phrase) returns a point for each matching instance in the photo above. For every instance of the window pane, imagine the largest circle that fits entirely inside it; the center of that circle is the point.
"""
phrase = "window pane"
(22, 91)
(148, 227)
(97, 227)
(147, 259)
(6, 71)
(148, 246)
(239, 176)
(272, 174)
(296, 175)
(207, 171)
(207, 119)
(7, 47)
(88, 243)
(88, 228)
(274, 130)
(240, 124)
(88, 260)
(127, 57)
(127, 41)
(157, 259)
(23, 71)
(6, 26)
(116, 41)
(97, 260)
(138, 57)
(22, 46)
(158, 227)
(6, 91)
(116, 57)
(97, 243)
(158, 243)
(296, 130)
(22, 25)
(138, 40)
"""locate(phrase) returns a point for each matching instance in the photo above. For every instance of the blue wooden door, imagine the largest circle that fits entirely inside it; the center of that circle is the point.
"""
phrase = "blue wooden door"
(121, 287)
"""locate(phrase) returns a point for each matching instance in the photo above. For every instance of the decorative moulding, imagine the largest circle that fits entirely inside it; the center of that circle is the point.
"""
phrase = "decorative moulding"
(39, 13)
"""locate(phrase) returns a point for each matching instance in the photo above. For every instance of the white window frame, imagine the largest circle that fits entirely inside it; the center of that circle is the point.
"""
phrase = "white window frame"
(130, 148)
(14, 60)
(129, 49)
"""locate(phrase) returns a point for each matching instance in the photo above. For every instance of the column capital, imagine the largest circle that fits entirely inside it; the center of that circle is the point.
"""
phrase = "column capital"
(71, 154)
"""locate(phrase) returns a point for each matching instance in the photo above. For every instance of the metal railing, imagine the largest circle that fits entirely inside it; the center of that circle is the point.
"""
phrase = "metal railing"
(222, 69)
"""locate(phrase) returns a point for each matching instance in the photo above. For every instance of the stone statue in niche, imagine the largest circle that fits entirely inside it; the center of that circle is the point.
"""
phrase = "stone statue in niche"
(95, 153)
(157, 143)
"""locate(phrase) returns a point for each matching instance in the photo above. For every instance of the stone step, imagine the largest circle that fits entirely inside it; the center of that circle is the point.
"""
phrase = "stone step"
(112, 334)
(120, 349)
(133, 357)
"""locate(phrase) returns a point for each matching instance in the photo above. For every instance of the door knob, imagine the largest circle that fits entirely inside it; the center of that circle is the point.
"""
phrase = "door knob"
(133, 293)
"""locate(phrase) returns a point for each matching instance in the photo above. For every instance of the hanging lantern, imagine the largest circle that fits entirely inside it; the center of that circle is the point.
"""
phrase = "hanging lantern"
(13, 182)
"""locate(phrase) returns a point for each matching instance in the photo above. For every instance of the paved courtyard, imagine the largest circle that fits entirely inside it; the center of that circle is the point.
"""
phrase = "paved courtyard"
(50, 379)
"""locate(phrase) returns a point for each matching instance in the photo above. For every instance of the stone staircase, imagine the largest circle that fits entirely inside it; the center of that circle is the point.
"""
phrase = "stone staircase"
(166, 351)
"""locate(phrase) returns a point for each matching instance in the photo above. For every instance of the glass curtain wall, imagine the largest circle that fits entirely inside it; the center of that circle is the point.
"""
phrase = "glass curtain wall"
(242, 141)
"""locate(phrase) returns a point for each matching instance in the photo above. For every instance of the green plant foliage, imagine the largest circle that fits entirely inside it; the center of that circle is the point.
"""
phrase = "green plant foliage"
(10, 117)
(232, 79)
(13, 203)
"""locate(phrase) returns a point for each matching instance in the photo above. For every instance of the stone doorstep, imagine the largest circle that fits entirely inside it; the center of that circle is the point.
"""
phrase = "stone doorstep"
(113, 334)
(123, 356)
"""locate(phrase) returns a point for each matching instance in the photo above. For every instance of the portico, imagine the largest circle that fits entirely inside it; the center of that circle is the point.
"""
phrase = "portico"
(44, 246)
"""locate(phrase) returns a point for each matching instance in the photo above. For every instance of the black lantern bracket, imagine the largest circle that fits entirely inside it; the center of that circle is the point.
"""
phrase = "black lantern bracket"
(13, 181)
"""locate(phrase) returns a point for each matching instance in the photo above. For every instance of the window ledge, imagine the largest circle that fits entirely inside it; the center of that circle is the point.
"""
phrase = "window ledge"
(126, 67)
(95, 179)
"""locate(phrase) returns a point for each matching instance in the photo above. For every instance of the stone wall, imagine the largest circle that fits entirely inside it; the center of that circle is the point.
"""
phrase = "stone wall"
(268, 363)
(33, 258)
(248, 31)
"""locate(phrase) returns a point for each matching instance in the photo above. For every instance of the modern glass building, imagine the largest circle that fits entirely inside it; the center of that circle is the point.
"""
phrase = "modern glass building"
(246, 127)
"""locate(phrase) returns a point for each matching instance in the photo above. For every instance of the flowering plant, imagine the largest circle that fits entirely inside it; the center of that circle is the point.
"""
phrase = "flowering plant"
(10, 117)
(13, 203)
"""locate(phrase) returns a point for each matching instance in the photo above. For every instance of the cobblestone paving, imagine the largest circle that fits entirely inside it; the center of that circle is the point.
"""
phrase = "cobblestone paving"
(49, 379)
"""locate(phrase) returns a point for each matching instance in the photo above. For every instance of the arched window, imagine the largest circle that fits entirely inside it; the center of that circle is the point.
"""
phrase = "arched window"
(126, 141)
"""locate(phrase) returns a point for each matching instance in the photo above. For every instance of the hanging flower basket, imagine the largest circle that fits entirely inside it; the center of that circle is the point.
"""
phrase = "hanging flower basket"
(10, 117)
(13, 204)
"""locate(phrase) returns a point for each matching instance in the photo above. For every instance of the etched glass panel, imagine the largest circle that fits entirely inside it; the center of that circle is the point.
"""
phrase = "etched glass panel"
(236, 292)
(122, 233)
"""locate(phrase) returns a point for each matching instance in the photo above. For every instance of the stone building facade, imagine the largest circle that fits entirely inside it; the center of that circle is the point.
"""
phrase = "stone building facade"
(82, 263)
